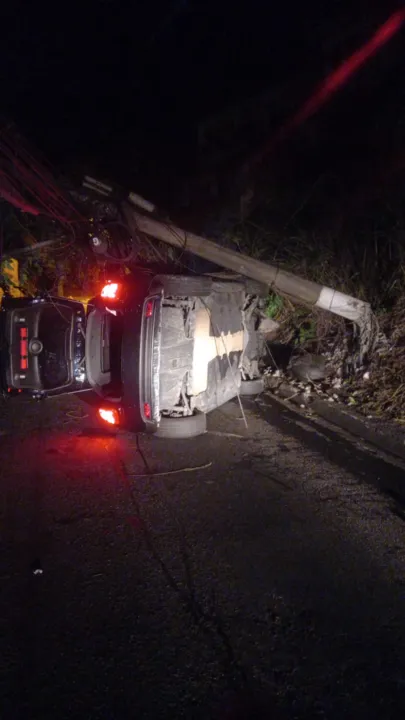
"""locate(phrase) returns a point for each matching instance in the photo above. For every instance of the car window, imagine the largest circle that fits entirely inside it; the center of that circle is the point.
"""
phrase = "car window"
(54, 331)
(111, 346)
(103, 350)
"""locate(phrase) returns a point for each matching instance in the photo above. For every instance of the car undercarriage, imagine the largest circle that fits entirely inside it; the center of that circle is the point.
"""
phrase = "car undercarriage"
(208, 345)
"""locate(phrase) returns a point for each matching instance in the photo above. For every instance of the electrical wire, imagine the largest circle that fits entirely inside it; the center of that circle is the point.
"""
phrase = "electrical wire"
(32, 177)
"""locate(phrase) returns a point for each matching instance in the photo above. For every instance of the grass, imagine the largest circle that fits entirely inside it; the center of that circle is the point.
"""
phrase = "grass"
(275, 305)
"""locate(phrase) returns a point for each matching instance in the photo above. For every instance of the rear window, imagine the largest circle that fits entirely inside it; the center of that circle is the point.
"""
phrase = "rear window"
(103, 350)
(54, 331)
(111, 348)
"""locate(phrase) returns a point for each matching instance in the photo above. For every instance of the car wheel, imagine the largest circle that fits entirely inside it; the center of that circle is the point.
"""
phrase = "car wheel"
(89, 398)
(254, 287)
(251, 387)
(184, 286)
(183, 427)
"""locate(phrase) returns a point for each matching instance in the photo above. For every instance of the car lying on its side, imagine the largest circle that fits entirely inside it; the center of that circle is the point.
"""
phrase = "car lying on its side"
(42, 346)
(151, 353)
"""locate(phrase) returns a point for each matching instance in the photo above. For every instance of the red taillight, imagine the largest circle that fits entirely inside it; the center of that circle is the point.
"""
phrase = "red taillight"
(149, 309)
(110, 291)
(147, 411)
(109, 416)
(23, 348)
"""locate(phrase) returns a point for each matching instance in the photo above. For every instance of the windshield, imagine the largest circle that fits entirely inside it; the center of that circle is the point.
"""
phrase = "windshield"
(103, 351)
(111, 347)
(54, 332)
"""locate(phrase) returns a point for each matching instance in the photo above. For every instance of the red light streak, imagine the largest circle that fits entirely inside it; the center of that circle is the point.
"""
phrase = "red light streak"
(334, 82)
(339, 77)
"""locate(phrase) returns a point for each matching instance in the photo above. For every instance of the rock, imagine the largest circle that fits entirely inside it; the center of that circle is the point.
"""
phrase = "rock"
(308, 367)
(268, 326)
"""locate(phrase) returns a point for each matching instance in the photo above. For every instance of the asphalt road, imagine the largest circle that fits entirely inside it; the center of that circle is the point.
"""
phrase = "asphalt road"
(269, 584)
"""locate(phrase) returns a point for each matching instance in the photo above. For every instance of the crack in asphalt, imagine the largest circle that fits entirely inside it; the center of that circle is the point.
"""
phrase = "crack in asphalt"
(206, 619)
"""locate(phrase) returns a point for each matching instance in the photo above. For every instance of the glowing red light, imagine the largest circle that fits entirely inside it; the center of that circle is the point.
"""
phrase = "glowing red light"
(332, 83)
(109, 416)
(110, 291)
(149, 309)
(147, 411)
(23, 348)
(341, 75)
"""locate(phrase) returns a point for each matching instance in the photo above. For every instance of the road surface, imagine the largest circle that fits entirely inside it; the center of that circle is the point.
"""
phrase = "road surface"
(269, 583)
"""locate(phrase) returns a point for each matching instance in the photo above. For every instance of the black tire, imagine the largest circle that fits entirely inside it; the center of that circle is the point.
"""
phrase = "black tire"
(89, 398)
(183, 285)
(183, 427)
(93, 399)
(254, 287)
(251, 387)
(224, 281)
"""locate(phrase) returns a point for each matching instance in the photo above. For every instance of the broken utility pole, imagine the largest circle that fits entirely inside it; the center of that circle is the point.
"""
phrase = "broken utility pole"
(296, 288)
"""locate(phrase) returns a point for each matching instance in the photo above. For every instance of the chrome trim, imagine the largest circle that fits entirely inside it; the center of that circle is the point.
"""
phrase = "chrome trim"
(149, 365)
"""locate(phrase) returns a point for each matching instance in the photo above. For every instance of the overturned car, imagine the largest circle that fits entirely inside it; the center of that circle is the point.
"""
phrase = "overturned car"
(151, 353)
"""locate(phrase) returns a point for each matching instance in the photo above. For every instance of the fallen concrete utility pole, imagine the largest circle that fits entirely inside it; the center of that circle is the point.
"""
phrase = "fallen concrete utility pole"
(302, 291)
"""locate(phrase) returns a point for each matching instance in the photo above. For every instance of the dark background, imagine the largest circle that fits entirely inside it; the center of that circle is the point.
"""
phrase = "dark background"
(121, 87)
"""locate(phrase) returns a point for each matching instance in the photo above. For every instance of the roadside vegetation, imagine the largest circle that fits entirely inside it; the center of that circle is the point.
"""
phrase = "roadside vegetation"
(362, 255)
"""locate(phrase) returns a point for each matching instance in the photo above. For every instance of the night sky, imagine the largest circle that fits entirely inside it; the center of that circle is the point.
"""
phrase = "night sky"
(123, 86)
